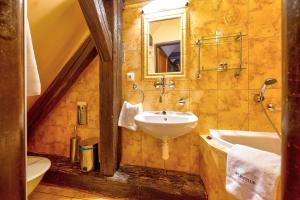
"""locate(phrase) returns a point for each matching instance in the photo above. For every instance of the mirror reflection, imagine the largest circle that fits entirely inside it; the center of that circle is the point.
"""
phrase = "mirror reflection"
(164, 46)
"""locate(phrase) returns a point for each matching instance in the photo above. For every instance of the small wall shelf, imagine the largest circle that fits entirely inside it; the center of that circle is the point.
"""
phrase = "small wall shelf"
(218, 40)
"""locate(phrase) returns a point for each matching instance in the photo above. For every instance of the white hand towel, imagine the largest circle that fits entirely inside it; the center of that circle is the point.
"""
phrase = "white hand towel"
(33, 79)
(252, 174)
(128, 112)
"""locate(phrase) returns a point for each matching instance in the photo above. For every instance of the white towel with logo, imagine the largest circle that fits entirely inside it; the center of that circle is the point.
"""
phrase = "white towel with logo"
(128, 112)
(252, 174)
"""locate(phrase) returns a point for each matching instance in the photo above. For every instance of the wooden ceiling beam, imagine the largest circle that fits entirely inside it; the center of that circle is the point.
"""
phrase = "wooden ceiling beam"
(95, 15)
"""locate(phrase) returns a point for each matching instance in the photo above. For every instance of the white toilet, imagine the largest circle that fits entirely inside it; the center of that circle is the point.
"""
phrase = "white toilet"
(36, 169)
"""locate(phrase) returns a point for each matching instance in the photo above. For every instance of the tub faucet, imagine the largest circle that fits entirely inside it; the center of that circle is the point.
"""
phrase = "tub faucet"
(162, 84)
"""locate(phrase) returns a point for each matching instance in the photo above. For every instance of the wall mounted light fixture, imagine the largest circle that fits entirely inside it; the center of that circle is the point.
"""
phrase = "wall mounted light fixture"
(162, 5)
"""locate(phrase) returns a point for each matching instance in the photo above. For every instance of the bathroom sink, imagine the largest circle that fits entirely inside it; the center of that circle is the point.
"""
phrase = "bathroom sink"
(166, 125)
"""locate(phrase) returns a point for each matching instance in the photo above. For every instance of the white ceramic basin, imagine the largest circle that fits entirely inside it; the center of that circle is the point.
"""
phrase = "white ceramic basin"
(166, 126)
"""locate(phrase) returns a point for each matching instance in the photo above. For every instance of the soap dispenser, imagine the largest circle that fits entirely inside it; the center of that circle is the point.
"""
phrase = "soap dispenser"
(74, 147)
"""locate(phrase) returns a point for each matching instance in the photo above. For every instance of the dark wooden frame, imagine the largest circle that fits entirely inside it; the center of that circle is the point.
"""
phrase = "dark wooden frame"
(157, 45)
(110, 75)
(12, 98)
(61, 84)
(291, 101)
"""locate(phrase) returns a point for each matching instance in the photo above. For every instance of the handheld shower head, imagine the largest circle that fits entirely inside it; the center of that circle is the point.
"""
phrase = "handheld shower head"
(270, 81)
(260, 97)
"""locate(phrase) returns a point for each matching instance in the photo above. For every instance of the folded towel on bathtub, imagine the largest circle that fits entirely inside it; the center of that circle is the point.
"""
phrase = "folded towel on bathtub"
(252, 174)
(128, 112)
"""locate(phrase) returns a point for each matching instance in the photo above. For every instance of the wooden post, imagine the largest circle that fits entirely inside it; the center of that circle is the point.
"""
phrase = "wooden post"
(12, 98)
(109, 134)
(110, 75)
(291, 102)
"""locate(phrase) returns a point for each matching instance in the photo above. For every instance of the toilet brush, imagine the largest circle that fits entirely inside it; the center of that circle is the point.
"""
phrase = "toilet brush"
(74, 147)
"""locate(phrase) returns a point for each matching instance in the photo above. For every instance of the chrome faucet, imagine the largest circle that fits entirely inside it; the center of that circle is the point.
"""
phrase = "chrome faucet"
(162, 84)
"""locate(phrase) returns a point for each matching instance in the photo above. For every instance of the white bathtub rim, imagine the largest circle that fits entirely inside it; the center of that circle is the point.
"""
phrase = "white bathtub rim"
(217, 136)
(36, 166)
(217, 133)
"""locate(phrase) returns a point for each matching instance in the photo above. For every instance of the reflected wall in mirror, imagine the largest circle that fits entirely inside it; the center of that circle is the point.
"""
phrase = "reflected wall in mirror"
(164, 46)
(164, 43)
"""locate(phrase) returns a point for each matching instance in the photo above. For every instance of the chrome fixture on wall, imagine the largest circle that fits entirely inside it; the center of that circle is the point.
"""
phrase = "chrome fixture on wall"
(181, 101)
(198, 74)
(218, 39)
(222, 67)
(162, 84)
(272, 108)
(259, 98)
(136, 88)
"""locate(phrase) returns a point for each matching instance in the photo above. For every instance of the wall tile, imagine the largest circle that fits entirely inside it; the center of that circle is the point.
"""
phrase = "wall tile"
(232, 16)
(195, 160)
(204, 101)
(53, 135)
(202, 18)
(151, 102)
(152, 151)
(132, 148)
(132, 29)
(233, 110)
(264, 18)
(171, 100)
(264, 61)
(179, 149)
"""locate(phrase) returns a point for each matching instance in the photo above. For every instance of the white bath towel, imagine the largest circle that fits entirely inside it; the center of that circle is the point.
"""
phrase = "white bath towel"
(128, 112)
(33, 79)
(252, 174)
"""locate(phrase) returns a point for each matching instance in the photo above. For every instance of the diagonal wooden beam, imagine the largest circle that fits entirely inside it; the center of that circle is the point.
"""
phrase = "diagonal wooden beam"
(94, 13)
(61, 84)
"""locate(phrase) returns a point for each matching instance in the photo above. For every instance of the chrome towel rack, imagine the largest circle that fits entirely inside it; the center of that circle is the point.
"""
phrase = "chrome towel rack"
(136, 88)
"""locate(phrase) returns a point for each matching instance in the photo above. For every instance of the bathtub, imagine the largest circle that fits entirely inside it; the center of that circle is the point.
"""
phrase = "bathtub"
(266, 141)
(36, 169)
(215, 147)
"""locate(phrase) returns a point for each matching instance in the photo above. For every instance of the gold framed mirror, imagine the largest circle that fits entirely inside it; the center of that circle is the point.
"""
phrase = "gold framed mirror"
(164, 43)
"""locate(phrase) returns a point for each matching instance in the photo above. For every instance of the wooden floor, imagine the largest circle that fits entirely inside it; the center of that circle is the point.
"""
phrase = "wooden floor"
(54, 192)
(134, 182)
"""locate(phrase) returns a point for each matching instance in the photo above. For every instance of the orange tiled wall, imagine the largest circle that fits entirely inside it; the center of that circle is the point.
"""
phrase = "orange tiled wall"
(220, 100)
(53, 135)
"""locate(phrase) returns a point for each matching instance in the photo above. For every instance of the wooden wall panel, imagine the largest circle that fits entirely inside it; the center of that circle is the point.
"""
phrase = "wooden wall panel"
(12, 132)
(291, 100)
